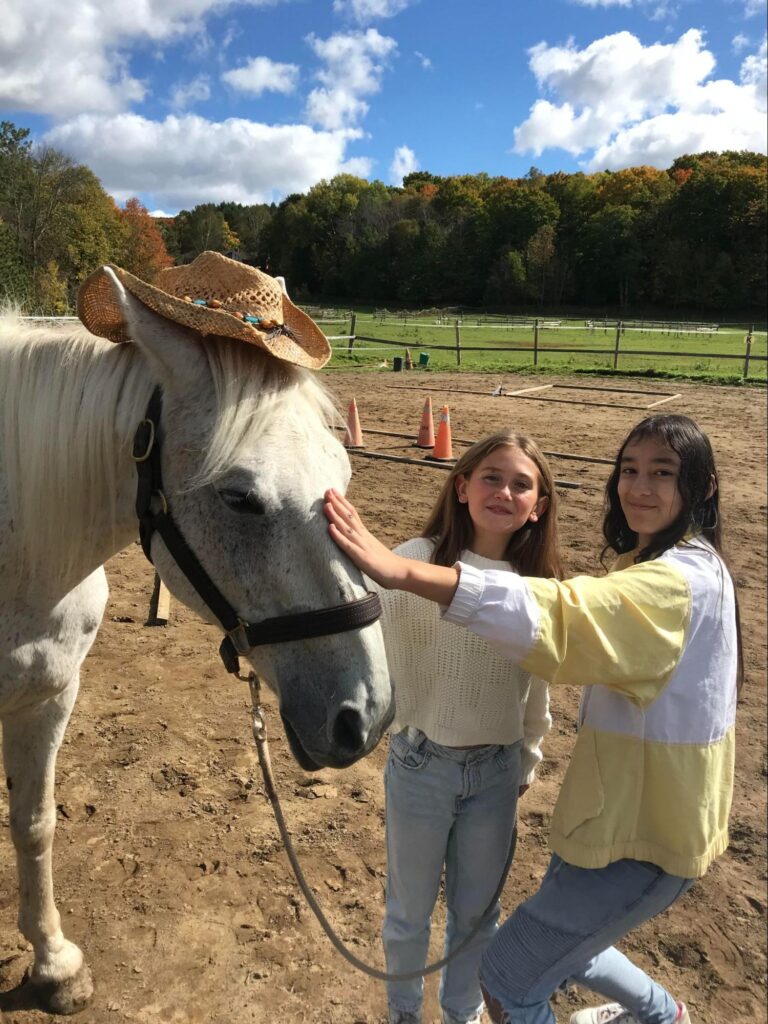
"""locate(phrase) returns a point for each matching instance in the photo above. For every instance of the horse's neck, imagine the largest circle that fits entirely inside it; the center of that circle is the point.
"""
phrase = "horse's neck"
(67, 456)
(114, 525)
(113, 529)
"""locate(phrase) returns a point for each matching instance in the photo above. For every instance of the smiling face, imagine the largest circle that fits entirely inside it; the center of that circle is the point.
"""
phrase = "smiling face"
(502, 494)
(648, 488)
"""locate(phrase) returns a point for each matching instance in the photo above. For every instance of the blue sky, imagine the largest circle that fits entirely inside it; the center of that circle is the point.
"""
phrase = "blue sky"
(189, 101)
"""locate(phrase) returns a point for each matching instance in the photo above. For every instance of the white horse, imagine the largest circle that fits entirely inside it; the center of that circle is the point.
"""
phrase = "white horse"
(246, 457)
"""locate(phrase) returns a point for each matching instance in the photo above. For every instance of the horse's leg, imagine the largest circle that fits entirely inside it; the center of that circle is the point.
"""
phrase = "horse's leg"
(31, 740)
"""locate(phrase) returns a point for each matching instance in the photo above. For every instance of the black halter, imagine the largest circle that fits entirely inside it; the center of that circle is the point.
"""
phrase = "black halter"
(241, 637)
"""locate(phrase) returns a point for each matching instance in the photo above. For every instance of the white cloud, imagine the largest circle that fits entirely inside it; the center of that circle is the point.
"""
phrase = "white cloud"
(425, 62)
(260, 74)
(754, 7)
(656, 9)
(623, 103)
(404, 162)
(366, 11)
(183, 161)
(231, 34)
(739, 42)
(186, 93)
(64, 58)
(753, 70)
(159, 214)
(355, 63)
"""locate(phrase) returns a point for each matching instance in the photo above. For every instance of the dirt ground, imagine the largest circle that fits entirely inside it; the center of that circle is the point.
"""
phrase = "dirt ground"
(168, 868)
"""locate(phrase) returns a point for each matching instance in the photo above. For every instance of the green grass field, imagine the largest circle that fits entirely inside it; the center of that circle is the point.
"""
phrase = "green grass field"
(694, 352)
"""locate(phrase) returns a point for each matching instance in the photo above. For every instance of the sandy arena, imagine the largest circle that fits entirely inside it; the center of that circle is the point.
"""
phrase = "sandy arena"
(168, 867)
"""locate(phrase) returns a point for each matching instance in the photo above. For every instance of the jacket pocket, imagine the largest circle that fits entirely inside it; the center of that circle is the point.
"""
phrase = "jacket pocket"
(581, 795)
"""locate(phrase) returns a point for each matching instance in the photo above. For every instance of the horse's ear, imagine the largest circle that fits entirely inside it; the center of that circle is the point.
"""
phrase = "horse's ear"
(281, 282)
(174, 354)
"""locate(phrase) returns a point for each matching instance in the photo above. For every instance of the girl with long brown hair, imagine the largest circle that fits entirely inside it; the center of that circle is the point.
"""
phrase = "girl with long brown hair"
(468, 725)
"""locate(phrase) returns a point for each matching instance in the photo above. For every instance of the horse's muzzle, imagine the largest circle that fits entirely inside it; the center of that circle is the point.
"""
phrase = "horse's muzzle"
(350, 740)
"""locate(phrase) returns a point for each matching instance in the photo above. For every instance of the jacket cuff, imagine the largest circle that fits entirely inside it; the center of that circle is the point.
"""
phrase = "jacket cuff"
(468, 593)
(528, 768)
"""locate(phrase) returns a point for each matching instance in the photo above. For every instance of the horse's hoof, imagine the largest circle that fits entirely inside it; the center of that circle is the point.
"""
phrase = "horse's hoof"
(65, 997)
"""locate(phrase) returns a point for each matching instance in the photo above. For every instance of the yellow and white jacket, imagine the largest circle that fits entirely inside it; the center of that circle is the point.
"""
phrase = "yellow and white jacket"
(651, 775)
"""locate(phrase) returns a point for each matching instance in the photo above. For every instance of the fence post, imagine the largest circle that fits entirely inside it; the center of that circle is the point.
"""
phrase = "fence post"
(748, 353)
(536, 342)
(458, 343)
(616, 347)
(351, 342)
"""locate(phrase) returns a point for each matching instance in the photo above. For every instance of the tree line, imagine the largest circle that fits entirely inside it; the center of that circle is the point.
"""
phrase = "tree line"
(57, 225)
(689, 237)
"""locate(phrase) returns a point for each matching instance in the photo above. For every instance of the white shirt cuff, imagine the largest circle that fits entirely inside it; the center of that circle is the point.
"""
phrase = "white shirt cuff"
(468, 593)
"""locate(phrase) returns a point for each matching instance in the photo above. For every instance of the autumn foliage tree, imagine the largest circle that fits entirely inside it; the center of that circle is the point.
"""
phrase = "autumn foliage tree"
(144, 252)
(58, 224)
(692, 237)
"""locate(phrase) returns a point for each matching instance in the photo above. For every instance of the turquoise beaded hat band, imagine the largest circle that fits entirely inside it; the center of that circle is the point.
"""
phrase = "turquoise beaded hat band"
(262, 322)
(213, 295)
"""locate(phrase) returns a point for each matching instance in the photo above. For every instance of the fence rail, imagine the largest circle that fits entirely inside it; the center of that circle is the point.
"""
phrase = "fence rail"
(537, 348)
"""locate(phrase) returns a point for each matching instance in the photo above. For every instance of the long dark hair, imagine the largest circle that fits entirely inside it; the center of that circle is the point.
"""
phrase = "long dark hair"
(697, 483)
(533, 550)
(699, 490)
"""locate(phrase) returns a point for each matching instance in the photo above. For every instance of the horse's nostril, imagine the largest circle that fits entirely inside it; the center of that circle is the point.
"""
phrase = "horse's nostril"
(349, 734)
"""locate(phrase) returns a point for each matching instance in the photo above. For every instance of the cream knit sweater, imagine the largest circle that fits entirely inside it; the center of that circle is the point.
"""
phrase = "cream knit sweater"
(451, 684)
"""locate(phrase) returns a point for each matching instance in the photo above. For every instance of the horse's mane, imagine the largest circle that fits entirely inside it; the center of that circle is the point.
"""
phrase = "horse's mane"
(70, 404)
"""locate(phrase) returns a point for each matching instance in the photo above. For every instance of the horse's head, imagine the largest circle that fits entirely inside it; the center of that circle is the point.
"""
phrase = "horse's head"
(246, 458)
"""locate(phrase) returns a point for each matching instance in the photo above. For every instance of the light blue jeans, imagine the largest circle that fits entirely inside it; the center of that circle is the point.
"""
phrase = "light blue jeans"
(449, 807)
(566, 931)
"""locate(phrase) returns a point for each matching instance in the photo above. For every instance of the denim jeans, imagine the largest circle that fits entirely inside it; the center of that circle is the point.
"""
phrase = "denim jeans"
(566, 931)
(452, 807)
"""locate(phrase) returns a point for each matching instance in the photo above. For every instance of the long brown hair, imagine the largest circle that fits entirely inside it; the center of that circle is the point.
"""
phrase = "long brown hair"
(534, 549)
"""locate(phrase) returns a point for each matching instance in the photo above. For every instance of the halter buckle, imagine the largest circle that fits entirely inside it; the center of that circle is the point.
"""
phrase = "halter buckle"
(239, 638)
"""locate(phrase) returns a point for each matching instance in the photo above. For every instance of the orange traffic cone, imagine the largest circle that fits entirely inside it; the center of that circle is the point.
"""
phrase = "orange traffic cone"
(353, 435)
(443, 450)
(408, 360)
(426, 438)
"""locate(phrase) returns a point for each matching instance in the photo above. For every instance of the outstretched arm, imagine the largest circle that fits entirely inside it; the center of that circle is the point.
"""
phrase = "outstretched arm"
(626, 630)
(434, 582)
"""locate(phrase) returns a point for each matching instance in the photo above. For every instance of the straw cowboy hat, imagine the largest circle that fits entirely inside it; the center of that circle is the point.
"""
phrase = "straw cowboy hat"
(212, 295)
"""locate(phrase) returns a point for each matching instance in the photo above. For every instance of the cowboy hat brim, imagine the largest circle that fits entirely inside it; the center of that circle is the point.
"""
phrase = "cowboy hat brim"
(99, 308)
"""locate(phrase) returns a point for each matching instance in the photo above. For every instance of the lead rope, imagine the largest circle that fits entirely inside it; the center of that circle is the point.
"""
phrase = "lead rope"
(259, 729)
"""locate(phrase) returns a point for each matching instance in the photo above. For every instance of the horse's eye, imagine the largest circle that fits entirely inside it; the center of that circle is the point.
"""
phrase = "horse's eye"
(243, 502)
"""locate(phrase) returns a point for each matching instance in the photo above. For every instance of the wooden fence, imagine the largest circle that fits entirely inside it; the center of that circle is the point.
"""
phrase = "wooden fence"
(615, 351)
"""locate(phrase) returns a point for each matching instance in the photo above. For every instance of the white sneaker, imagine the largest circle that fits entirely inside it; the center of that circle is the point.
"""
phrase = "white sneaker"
(610, 1013)
(613, 1013)
(477, 1018)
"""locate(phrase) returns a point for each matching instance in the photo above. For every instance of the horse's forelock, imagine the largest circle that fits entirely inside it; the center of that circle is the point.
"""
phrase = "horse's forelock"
(248, 385)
